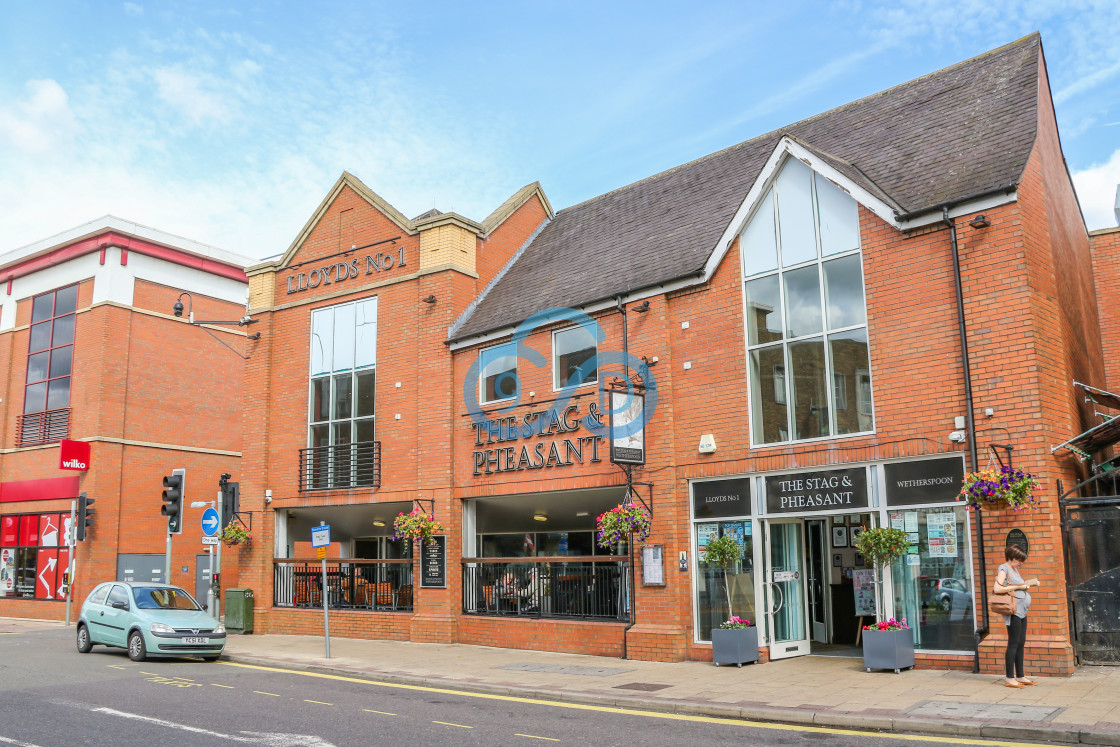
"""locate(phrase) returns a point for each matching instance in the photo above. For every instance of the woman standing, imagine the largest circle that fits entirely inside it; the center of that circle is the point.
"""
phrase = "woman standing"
(1009, 580)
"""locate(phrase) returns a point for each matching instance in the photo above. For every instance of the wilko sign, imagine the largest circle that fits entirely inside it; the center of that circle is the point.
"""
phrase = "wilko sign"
(73, 455)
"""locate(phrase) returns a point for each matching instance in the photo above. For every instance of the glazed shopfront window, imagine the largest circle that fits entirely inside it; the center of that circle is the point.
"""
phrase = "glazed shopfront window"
(805, 312)
(714, 585)
(933, 586)
(33, 556)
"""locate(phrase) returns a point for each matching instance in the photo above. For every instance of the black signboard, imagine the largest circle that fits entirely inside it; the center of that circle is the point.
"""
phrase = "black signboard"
(720, 498)
(1018, 537)
(433, 563)
(819, 491)
(923, 481)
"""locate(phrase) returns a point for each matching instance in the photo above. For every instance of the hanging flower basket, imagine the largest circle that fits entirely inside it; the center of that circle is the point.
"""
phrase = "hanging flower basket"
(236, 534)
(620, 522)
(417, 525)
(990, 488)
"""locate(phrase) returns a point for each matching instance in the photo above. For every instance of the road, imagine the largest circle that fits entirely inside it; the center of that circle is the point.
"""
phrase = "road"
(51, 695)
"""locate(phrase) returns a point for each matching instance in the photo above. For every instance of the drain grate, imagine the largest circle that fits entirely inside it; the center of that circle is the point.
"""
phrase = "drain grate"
(565, 669)
(646, 687)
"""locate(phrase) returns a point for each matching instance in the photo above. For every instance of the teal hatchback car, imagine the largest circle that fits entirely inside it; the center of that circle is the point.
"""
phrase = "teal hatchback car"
(149, 620)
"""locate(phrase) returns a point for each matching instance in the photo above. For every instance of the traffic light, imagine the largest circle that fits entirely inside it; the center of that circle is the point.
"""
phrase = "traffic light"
(174, 488)
(85, 516)
(231, 502)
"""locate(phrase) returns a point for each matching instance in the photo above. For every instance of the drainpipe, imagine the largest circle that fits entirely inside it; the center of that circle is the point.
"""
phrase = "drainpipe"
(629, 487)
(981, 631)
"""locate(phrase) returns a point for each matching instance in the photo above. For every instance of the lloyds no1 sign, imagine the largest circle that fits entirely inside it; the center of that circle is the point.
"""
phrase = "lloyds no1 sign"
(823, 491)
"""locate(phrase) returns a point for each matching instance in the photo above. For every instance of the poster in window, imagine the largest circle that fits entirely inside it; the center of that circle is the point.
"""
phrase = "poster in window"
(705, 532)
(941, 531)
(7, 572)
(63, 566)
(49, 533)
(628, 428)
(735, 529)
(46, 575)
(863, 582)
(29, 531)
(9, 531)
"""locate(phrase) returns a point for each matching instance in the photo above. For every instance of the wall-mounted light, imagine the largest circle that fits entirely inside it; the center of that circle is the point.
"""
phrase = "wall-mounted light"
(641, 308)
(430, 298)
(650, 362)
(540, 516)
(980, 221)
(378, 523)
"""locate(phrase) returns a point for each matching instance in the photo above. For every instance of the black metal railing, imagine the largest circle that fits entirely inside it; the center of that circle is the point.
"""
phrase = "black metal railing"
(355, 465)
(45, 427)
(586, 587)
(384, 585)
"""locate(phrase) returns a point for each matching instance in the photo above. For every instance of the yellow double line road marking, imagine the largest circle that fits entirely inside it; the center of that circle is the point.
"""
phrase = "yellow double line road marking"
(632, 711)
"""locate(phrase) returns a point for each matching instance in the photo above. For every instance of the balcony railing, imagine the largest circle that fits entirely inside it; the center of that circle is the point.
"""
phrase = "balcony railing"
(341, 466)
(384, 585)
(44, 427)
(586, 587)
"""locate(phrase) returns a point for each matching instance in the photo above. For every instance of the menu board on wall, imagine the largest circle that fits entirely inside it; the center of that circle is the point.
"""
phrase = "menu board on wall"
(433, 563)
(863, 582)
(941, 530)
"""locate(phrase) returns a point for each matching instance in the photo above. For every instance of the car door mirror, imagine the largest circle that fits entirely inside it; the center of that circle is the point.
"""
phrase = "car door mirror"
(120, 605)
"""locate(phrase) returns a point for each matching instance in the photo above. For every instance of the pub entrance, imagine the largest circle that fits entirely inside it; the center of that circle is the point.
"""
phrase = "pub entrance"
(811, 578)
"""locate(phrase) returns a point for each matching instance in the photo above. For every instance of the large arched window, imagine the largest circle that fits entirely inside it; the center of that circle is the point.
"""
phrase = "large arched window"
(806, 319)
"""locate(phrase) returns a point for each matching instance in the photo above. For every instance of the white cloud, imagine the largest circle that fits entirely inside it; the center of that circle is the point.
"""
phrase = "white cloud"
(193, 95)
(133, 9)
(1096, 191)
(40, 123)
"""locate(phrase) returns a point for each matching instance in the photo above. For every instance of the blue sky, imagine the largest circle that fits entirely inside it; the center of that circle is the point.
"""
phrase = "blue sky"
(228, 122)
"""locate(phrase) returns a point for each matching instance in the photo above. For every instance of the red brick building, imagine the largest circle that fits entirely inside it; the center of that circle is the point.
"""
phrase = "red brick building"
(95, 355)
(829, 325)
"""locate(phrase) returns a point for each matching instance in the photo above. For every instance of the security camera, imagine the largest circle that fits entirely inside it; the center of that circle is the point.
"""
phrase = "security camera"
(958, 437)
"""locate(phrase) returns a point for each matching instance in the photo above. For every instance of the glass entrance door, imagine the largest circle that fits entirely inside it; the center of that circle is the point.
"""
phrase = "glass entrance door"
(785, 584)
(818, 578)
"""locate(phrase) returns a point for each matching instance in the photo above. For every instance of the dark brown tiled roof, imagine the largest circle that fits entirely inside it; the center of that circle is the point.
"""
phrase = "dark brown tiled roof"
(959, 132)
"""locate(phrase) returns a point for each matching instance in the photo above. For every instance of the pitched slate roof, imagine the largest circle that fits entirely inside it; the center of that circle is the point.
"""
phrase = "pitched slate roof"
(956, 133)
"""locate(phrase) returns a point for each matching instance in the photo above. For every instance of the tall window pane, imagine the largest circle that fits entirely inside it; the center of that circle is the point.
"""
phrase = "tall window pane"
(322, 341)
(768, 398)
(343, 356)
(795, 213)
(760, 247)
(851, 365)
(810, 389)
(821, 386)
(365, 321)
(803, 302)
(50, 352)
(364, 394)
(320, 399)
(839, 218)
(764, 311)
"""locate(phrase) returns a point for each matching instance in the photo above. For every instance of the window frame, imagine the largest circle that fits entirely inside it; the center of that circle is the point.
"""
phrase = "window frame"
(47, 380)
(482, 374)
(593, 380)
(769, 199)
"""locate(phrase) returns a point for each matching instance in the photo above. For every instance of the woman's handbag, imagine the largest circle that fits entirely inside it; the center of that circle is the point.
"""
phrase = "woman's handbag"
(1003, 604)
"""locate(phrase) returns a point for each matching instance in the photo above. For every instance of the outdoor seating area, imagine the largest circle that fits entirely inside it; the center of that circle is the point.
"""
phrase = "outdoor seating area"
(585, 588)
(381, 585)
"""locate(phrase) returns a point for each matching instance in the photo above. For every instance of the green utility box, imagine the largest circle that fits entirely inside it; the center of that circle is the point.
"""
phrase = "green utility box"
(239, 610)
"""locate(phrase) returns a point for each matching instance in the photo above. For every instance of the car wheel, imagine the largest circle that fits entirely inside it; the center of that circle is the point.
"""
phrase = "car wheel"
(136, 649)
(85, 645)
(946, 603)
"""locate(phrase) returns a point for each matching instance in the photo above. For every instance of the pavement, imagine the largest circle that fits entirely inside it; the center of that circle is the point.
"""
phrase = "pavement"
(823, 691)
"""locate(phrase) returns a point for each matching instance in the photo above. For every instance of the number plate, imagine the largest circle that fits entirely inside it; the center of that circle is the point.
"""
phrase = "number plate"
(190, 641)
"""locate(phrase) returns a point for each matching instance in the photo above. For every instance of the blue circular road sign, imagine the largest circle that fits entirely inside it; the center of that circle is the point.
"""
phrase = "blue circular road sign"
(210, 522)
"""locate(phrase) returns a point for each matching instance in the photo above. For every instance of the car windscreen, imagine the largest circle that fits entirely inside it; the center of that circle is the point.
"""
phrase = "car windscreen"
(163, 599)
